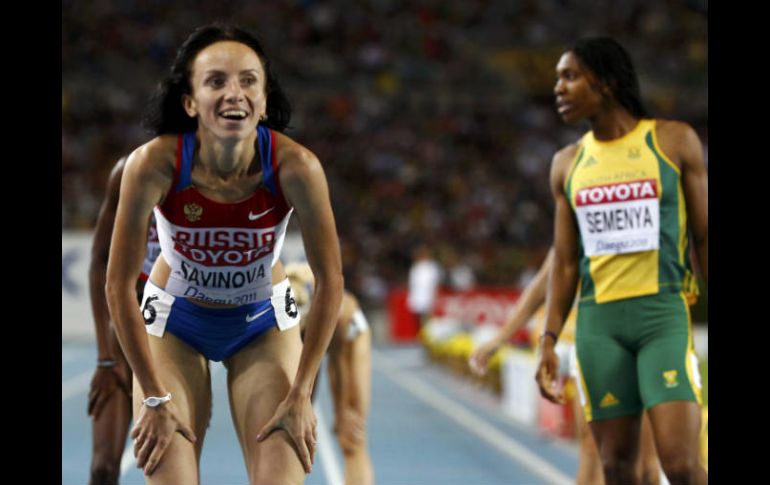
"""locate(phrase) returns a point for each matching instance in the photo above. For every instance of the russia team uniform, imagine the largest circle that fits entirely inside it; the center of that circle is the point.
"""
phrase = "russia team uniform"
(634, 339)
(221, 253)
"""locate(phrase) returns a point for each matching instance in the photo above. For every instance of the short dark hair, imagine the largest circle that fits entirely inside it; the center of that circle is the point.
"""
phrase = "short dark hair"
(166, 113)
(611, 64)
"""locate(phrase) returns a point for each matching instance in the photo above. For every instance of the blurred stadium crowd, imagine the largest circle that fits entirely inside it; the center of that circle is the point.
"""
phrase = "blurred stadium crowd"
(434, 120)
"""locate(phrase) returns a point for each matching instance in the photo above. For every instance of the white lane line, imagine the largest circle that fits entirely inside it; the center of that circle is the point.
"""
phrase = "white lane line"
(470, 421)
(75, 385)
(326, 451)
(68, 355)
(127, 461)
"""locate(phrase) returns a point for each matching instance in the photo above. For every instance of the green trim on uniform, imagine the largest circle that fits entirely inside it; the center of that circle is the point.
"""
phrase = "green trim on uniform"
(570, 173)
(586, 279)
(587, 289)
(670, 269)
(575, 163)
(693, 371)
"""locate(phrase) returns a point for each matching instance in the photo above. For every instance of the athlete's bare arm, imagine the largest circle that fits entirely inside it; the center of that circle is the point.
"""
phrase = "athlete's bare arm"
(563, 276)
(530, 300)
(100, 252)
(105, 379)
(304, 185)
(681, 144)
(146, 178)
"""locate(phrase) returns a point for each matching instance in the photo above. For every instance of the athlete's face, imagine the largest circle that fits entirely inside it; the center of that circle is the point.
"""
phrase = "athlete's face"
(578, 93)
(228, 90)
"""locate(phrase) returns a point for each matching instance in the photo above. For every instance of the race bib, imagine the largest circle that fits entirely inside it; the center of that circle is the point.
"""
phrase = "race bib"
(619, 218)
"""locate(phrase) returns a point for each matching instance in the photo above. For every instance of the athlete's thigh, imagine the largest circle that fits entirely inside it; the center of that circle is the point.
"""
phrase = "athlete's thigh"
(617, 438)
(676, 428)
(185, 374)
(667, 365)
(259, 378)
(607, 365)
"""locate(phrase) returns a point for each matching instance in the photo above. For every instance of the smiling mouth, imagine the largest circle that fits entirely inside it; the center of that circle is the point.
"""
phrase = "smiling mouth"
(563, 107)
(234, 114)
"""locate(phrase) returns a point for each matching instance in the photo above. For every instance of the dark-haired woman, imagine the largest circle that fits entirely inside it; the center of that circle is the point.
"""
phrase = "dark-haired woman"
(626, 194)
(222, 181)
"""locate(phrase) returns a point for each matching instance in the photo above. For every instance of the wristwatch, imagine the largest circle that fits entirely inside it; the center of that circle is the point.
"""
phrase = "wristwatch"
(152, 402)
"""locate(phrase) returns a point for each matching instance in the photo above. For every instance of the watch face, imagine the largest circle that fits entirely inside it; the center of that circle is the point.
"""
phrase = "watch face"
(155, 401)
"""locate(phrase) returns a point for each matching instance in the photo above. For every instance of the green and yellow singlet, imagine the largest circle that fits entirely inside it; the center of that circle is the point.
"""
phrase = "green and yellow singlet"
(627, 198)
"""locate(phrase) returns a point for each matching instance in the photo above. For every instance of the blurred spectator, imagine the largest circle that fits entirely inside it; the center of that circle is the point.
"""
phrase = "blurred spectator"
(459, 273)
(424, 278)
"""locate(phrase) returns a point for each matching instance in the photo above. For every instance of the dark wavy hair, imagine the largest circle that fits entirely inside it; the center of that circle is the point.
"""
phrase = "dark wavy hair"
(611, 64)
(166, 114)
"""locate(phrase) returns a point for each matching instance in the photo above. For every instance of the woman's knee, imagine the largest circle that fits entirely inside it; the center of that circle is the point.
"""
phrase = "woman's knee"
(271, 475)
(649, 470)
(104, 472)
(618, 469)
(274, 461)
(619, 462)
(680, 469)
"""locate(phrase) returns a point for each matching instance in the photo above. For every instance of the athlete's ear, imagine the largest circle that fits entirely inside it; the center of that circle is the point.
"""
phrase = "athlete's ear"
(608, 88)
(188, 103)
(597, 84)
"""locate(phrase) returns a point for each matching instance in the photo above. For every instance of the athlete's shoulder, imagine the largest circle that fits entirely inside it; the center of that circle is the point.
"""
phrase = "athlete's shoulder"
(150, 168)
(567, 154)
(289, 152)
(116, 175)
(117, 169)
(673, 129)
(677, 139)
(562, 161)
(156, 156)
(297, 164)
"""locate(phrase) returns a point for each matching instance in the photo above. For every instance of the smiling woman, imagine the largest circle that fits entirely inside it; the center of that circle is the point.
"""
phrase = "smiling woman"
(222, 182)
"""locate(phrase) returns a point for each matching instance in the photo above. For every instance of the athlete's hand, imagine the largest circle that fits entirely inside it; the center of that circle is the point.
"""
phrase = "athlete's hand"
(153, 432)
(480, 357)
(547, 375)
(349, 426)
(295, 415)
(106, 381)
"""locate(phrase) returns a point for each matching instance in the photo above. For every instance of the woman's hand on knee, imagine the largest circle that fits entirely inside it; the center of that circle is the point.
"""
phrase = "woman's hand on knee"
(153, 432)
(297, 418)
